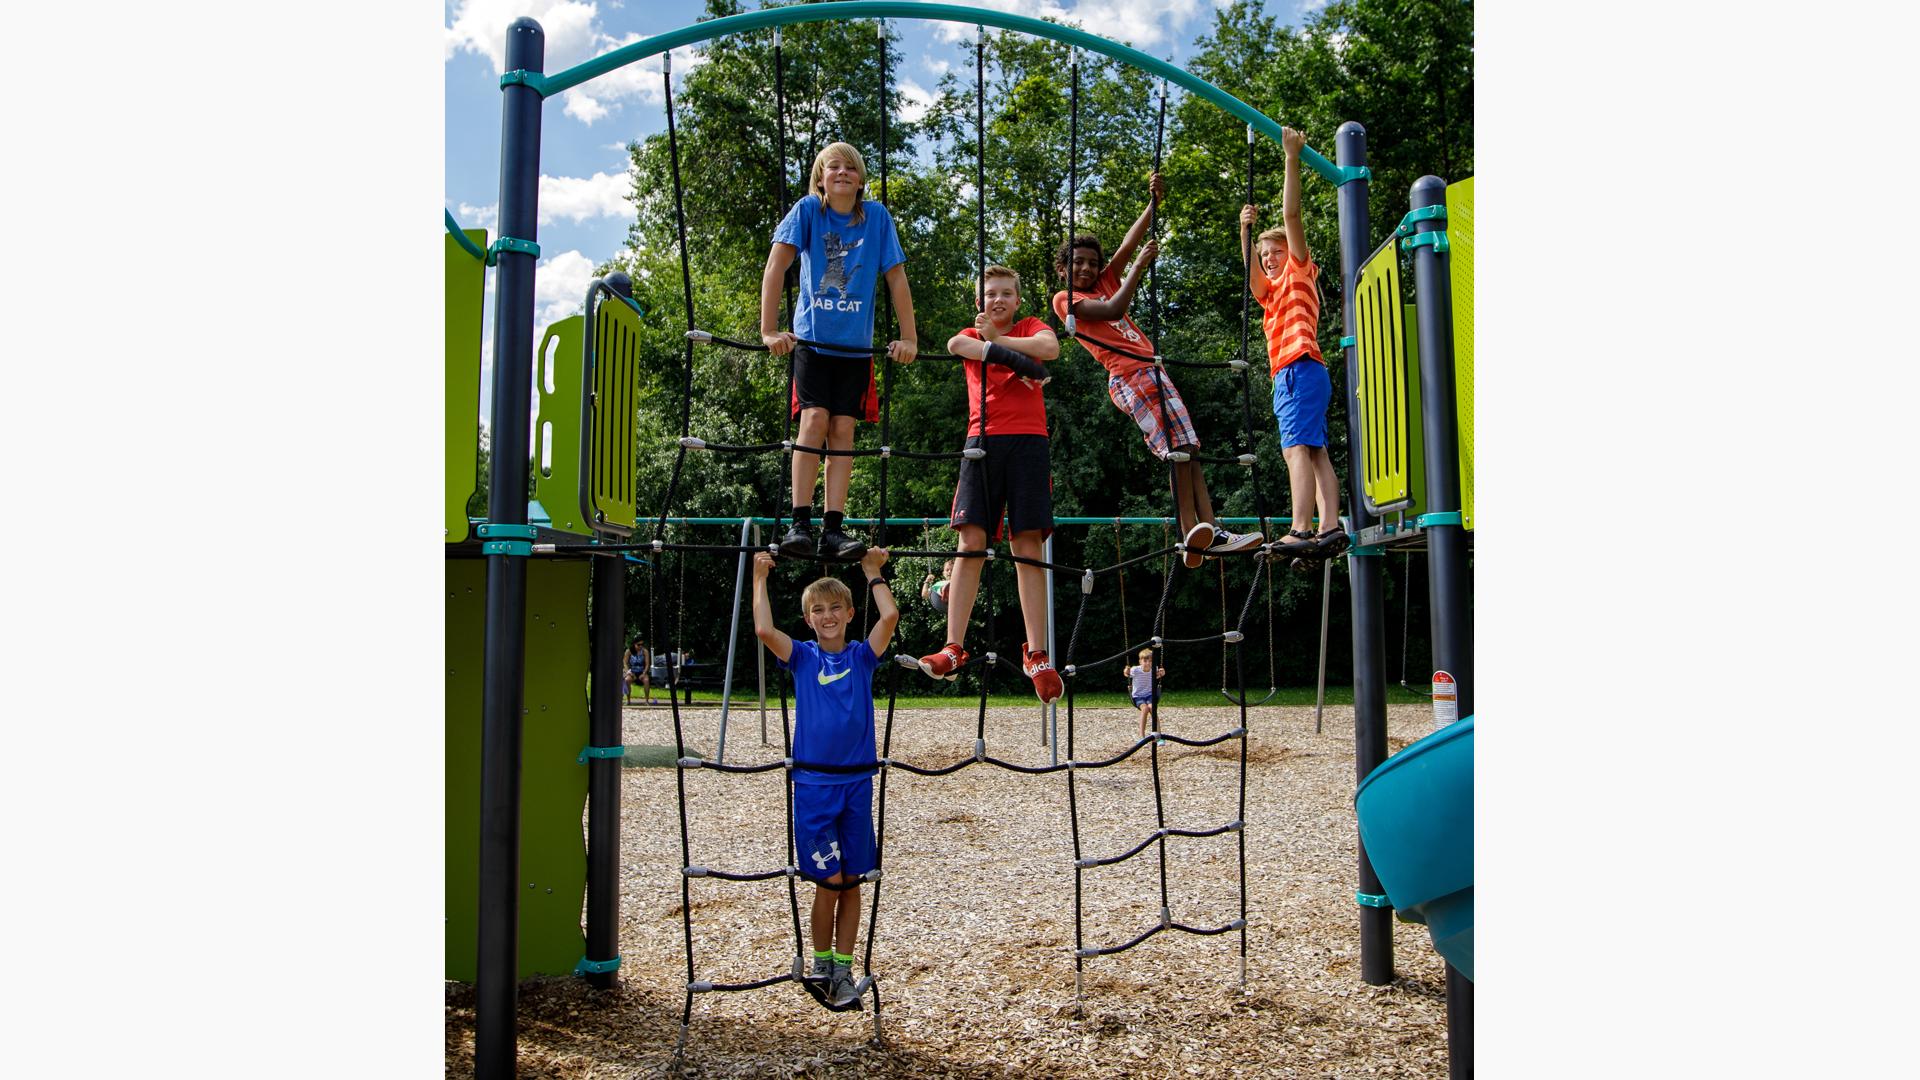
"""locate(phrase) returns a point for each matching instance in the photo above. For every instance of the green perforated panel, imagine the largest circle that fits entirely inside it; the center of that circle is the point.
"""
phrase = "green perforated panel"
(553, 786)
(1460, 255)
(1383, 344)
(609, 498)
(466, 290)
(556, 425)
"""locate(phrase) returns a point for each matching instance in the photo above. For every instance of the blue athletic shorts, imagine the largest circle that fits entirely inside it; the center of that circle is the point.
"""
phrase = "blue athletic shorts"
(833, 828)
(1142, 699)
(1300, 395)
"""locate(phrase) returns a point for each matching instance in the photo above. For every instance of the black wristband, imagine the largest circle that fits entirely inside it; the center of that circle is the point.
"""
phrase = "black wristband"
(871, 582)
(1020, 362)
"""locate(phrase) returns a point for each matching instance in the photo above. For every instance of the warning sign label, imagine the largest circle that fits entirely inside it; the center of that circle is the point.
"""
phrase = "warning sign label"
(1446, 700)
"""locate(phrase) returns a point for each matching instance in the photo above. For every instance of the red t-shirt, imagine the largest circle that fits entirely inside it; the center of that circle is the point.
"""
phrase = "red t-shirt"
(1121, 332)
(1014, 404)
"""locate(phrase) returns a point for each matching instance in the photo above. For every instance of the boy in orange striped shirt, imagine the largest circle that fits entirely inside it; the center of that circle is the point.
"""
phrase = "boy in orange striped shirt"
(1285, 281)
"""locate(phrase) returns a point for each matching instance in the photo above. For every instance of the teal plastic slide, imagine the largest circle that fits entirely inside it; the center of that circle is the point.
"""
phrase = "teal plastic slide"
(1416, 819)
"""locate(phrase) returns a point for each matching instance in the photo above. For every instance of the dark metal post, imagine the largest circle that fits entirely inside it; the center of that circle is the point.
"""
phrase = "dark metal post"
(1369, 633)
(502, 694)
(603, 774)
(1446, 543)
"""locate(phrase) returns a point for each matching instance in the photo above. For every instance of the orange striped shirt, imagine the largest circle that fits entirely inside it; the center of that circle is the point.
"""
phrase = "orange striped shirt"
(1290, 314)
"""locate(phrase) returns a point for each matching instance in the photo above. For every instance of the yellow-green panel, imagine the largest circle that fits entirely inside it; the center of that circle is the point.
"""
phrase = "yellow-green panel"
(466, 292)
(1460, 257)
(1383, 348)
(553, 785)
(611, 464)
(556, 424)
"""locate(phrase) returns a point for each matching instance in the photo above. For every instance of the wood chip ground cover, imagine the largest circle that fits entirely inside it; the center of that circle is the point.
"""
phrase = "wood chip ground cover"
(976, 927)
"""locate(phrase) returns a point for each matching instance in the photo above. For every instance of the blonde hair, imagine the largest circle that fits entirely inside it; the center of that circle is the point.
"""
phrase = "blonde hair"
(816, 181)
(1277, 235)
(997, 270)
(828, 589)
(1148, 653)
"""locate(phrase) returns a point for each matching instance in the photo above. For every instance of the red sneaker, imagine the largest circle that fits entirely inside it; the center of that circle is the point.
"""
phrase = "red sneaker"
(1046, 681)
(943, 664)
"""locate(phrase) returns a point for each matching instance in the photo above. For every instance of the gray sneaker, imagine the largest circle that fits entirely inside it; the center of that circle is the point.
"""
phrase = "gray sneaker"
(822, 969)
(841, 990)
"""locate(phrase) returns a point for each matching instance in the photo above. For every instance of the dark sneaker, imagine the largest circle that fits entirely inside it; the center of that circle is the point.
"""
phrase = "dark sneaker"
(1199, 538)
(798, 543)
(835, 544)
(1226, 543)
(943, 664)
(1295, 543)
(1331, 543)
(1046, 681)
(840, 987)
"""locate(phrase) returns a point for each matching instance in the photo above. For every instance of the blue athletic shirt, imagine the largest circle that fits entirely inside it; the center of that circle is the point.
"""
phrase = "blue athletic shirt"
(840, 264)
(832, 709)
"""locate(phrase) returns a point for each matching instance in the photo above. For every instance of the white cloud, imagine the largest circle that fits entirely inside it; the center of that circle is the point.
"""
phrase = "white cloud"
(935, 65)
(560, 287)
(577, 198)
(479, 217)
(1142, 23)
(574, 35)
(915, 100)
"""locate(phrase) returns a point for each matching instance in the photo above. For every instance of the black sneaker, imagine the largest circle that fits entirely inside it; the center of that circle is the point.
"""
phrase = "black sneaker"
(798, 543)
(835, 544)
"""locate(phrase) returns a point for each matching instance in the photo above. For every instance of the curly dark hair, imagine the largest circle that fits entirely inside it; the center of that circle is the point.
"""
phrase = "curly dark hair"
(1064, 258)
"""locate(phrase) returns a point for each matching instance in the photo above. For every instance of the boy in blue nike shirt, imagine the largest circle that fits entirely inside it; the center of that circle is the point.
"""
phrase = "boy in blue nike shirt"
(833, 725)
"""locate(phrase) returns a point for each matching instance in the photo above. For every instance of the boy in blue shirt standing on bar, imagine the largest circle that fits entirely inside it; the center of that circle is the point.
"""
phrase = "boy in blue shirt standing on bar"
(833, 725)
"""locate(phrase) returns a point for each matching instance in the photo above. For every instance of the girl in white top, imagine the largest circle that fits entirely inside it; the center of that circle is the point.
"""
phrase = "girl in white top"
(1143, 676)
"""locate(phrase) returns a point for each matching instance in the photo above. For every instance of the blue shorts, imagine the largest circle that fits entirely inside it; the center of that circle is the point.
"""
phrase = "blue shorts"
(1300, 395)
(1142, 699)
(833, 828)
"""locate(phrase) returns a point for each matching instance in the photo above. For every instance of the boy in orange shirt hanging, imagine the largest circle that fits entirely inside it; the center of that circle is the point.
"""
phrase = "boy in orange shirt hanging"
(1285, 281)
(1136, 387)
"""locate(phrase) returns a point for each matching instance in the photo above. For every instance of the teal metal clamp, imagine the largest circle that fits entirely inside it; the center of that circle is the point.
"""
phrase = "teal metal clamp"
(1349, 342)
(503, 539)
(1443, 517)
(1435, 240)
(596, 967)
(1350, 173)
(1365, 550)
(522, 77)
(512, 246)
(600, 752)
(1438, 211)
(1371, 900)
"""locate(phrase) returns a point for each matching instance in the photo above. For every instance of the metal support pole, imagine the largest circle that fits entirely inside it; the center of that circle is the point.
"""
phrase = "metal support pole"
(760, 660)
(1050, 712)
(1326, 606)
(1369, 634)
(1446, 544)
(502, 694)
(603, 774)
(733, 642)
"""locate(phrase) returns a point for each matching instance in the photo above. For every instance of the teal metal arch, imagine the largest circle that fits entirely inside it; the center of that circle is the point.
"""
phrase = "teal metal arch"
(549, 85)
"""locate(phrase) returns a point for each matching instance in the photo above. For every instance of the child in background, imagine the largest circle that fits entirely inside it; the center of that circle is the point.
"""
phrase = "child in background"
(1100, 301)
(845, 244)
(1285, 282)
(833, 725)
(934, 591)
(1143, 676)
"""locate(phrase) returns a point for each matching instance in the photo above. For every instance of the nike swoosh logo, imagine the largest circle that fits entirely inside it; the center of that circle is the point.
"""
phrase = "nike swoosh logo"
(822, 676)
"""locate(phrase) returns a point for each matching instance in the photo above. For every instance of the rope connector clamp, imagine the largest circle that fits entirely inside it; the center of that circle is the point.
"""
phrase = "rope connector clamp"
(1086, 582)
(700, 336)
(693, 442)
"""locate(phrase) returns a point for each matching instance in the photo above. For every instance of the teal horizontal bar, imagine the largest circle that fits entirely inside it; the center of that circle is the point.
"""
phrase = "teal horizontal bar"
(943, 521)
(549, 85)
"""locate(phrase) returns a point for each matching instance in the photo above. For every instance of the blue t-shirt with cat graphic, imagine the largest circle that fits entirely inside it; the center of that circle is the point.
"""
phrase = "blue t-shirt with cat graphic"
(840, 264)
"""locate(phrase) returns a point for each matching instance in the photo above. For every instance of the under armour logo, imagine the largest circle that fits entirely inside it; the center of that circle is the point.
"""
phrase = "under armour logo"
(821, 861)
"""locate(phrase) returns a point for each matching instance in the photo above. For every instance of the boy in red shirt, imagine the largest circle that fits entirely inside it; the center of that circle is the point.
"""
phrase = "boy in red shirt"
(1285, 282)
(1015, 476)
(1137, 387)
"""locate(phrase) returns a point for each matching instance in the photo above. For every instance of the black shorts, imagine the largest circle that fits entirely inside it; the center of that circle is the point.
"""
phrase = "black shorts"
(837, 384)
(1016, 476)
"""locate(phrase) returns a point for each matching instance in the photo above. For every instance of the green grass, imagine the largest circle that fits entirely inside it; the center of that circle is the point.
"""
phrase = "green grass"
(1340, 694)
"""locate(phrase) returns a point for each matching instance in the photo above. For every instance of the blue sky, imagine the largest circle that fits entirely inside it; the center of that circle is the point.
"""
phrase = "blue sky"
(583, 206)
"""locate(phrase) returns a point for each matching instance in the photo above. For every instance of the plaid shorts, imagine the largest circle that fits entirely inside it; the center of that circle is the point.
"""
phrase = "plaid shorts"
(1140, 395)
